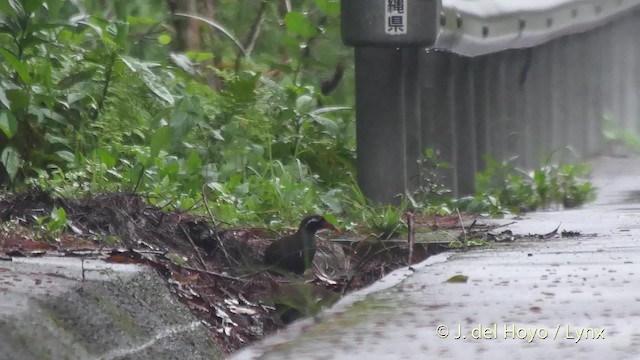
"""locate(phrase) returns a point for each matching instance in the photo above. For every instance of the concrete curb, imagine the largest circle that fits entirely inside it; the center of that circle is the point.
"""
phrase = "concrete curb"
(47, 311)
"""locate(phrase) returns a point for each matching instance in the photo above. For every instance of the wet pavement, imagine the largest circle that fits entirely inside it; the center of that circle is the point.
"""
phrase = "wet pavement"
(573, 298)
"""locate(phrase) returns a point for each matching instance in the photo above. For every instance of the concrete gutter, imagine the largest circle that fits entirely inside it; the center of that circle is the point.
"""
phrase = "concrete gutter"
(571, 298)
(66, 308)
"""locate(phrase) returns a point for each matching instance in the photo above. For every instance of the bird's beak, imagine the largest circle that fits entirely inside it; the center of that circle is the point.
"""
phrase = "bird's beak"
(328, 225)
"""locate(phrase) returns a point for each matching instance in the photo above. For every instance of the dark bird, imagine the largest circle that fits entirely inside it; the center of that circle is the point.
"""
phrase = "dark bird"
(294, 253)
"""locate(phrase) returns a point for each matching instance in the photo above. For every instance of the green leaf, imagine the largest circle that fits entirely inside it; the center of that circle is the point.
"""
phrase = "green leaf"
(330, 7)
(39, 27)
(331, 219)
(4, 100)
(137, 20)
(5, 8)
(49, 114)
(66, 156)
(97, 29)
(53, 139)
(217, 134)
(458, 279)
(160, 140)
(76, 78)
(155, 87)
(327, 123)
(106, 158)
(133, 64)
(242, 90)
(8, 124)
(122, 35)
(298, 23)
(58, 215)
(18, 99)
(180, 122)
(194, 162)
(58, 220)
(199, 56)
(10, 158)
(241, 189)
(19, 67)
(329, 109)
(53, 7)
(31, 5)
(183, 62)
(164, 39)
(148, 77)
(305, 104)
(214, 185)
(17, 7)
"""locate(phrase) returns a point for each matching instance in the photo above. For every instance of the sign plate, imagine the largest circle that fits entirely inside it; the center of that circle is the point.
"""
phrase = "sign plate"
(396, 17)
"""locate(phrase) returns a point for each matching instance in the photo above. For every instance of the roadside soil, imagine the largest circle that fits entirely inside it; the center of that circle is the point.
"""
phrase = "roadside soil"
(217, 273)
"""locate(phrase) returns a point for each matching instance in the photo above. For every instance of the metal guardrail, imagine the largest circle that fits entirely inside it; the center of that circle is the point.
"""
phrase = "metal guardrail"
(473, 28)
(503, 78)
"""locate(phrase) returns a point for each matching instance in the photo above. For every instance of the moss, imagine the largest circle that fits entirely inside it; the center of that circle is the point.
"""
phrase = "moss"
(120, 318)
(25, 338)
(357, 313)
(19, 342)
(59, 323)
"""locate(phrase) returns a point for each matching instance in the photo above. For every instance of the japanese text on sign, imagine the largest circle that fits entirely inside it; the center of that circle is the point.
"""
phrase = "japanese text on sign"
(396, 17)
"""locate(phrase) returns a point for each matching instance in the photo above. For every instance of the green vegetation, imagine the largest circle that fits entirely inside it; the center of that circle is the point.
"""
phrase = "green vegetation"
(382, 221)
(53, 225)
(502, 188)
(617, 136)
(114, 96)
(100, 103)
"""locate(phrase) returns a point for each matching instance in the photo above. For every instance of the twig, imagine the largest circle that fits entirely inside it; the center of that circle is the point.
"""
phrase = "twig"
(213, 273)
(253, 273)
(464, 232)
(472, 225)
(499, 226)
(411, 236)
(197, 250)
(135, 189)
(105, 87)
(215, 227)
(256, 28)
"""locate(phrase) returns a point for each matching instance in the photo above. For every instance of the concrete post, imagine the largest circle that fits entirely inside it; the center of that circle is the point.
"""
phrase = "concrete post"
(439, 66)
(576, 135)
(500, 126)
(618, 75)
(544, 102)
(480, 73)
(594, 92)
(387, 101)
(559, 78)
(464, 124)
(494, 107)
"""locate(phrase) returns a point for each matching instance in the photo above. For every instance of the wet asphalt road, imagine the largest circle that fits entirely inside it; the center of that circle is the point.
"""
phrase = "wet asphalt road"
(572, 298)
